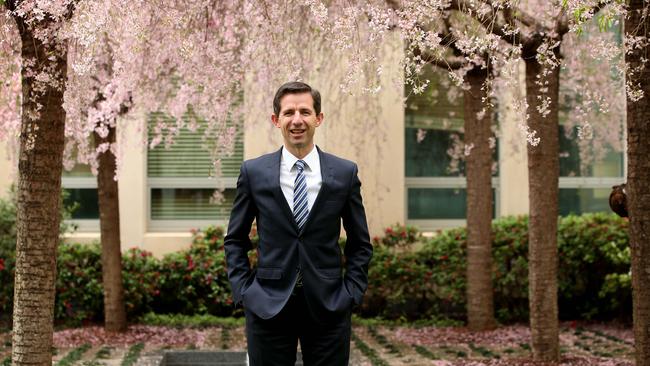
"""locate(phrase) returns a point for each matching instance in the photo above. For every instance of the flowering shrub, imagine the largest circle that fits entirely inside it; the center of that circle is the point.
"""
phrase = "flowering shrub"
(195, 281)
(425, 282)
(398, 235)
(79, 289)
(593, 278)
(141, 274)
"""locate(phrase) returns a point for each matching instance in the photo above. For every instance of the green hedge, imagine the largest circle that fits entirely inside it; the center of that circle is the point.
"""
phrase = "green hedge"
(410, 277)
(593, 279)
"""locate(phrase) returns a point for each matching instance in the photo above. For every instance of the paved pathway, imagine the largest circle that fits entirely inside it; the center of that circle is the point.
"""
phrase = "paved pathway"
(381, 346)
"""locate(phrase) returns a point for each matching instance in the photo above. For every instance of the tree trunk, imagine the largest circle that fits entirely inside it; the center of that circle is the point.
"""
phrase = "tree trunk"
(638, 182)
(480, 303)
(543, 173)
(109, 222)
(39, 197)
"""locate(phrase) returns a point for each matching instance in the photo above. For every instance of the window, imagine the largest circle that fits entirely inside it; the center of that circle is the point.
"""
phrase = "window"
(81, 188)
(435, 185)
(180, 182)
(586, 188)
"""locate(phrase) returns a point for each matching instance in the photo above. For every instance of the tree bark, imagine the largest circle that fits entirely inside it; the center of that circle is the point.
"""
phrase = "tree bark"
(109, 222)
(39, 192)
(543, 172)
(638, 182)
(478, 165)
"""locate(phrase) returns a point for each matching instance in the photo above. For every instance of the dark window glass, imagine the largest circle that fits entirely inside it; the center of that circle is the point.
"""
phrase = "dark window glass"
(610, 166)
(429, 157)
(86, 201)
(582, 200)
(438, 203)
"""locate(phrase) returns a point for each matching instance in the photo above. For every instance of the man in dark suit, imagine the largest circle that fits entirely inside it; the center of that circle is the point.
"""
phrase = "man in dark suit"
(302, 290)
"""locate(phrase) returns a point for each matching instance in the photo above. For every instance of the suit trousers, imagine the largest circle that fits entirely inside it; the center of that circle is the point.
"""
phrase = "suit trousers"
(274, 341)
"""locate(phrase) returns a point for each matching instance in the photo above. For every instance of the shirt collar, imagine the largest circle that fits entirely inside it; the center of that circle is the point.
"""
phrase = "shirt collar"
(312, 160)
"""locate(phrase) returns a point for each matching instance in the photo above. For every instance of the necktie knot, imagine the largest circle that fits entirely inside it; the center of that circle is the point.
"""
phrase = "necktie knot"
(300, 165)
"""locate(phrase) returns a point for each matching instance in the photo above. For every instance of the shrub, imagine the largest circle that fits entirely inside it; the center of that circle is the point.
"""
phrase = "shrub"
(594, 271)
(416, 282)
(195, 281)
(79, 289)
(398, 235)
(593, 277)
(141, 274)
(421, 284)
(7, 255)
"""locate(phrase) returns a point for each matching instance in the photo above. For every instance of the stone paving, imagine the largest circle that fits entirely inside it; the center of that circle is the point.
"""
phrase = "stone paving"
(382, 345)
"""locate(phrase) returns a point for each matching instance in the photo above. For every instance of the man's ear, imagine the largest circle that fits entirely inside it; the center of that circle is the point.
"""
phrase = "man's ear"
(319, 119)
(275, 120)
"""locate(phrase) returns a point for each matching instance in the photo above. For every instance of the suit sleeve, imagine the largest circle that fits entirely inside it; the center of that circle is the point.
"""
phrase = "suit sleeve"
(358, 250)
(237, 242)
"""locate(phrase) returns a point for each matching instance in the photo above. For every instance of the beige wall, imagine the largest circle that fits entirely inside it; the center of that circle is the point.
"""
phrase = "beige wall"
(513, 159)
(7, 171)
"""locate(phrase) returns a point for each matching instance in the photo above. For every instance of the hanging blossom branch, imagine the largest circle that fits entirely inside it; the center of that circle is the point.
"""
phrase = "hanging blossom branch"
(189, 60)
(10, 86)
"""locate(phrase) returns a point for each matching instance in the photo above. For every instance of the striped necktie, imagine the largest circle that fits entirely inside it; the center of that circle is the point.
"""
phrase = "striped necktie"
(300, 204)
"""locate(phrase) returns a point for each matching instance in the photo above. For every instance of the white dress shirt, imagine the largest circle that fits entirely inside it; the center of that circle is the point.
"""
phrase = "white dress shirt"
(288, 173)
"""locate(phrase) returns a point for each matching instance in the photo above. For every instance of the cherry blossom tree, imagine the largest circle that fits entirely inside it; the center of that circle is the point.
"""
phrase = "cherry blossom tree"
(457, 33)
(191, 60)
(43, 60)
(537, 41)
(162, 56)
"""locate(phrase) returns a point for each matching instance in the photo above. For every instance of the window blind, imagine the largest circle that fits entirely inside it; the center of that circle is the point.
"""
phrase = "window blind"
(189, 156)
(189, 204)
(189, 160)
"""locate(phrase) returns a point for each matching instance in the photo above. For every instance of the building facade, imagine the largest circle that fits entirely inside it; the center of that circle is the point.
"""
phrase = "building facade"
(403, 161)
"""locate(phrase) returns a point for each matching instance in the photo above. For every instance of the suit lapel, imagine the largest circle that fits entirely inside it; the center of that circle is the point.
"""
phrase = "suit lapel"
(274, 180)
(327, 176)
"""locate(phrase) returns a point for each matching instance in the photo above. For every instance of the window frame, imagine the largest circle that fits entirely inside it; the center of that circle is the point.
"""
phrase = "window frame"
(83, 225)
(443, 182)
(187, 183)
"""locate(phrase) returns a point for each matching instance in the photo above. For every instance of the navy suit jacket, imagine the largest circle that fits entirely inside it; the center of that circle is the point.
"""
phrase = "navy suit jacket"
(283, 248)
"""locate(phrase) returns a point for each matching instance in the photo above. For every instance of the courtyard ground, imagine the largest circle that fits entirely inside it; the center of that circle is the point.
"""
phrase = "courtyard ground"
(374, 345)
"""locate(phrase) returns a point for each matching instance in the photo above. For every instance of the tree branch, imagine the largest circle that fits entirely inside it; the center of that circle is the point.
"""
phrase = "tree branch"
(449, 63)
(489, 21)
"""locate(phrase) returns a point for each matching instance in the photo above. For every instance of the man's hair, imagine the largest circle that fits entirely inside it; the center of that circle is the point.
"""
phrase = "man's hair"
(295, 87)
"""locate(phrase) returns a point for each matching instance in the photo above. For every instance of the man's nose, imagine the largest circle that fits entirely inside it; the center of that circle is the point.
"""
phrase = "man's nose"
(296, 118)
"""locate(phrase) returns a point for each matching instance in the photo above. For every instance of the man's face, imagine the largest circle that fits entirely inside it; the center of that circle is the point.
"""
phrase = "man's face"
(297, 120)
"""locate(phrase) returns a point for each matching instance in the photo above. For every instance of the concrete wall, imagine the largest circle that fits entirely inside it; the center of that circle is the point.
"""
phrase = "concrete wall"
(7, 170)
(513, 158)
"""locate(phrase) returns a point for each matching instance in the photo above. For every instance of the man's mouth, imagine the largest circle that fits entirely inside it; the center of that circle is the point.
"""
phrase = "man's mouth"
(296, 131)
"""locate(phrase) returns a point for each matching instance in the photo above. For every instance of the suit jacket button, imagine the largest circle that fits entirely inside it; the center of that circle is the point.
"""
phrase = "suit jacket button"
(300, 237)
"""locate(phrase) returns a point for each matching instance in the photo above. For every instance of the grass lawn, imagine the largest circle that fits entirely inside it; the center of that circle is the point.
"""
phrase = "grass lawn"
(372, 344)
